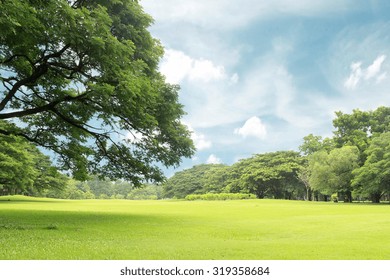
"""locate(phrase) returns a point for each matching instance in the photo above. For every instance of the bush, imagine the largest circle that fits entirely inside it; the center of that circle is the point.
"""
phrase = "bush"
(220, 196)
(103, 196)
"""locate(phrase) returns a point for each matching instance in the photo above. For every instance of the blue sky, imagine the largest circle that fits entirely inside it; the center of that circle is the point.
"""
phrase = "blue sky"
(257, 76)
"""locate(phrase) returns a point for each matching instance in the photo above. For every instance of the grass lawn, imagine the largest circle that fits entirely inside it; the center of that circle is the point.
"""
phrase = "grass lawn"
(32, 228)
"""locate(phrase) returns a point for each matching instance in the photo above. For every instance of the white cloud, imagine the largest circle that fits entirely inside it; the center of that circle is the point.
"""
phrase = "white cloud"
(372, 72)
(177, 66)
(205, 70)
(355, 76)
(213, 159)
(200, 141)
(253, 127)
(375, 68)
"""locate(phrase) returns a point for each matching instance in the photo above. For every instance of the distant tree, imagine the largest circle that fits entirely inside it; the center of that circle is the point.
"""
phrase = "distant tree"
(17, 170)
(271, 175)
(303, 175)
(358, 128)
(24, 169)
(47, 176)
(332, 172)
(373, 178)
(312, 144)
(99, 186)
(72, 191)
(81, 78)
(216, 178)
(148, 192)
(196, 180)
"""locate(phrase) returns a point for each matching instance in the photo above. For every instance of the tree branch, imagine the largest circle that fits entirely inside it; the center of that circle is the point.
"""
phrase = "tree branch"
(38, 72)
(48, 107)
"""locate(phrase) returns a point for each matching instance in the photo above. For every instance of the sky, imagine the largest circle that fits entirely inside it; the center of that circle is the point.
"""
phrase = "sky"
(257, 76)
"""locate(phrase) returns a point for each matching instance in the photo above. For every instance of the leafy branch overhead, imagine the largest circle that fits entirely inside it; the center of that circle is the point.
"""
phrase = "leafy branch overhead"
(79, 77)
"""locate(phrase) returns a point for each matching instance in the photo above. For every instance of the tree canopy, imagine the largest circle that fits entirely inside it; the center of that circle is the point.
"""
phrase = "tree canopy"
(332, 172)
(373, 178)
(80, 78)
(272, 175)
(199, 179)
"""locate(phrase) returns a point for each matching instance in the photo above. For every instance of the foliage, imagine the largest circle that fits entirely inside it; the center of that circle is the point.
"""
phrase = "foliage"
(220, 196)
(81, 79)
(271, 175)
(373, 178)
(358, 128)
(196, 180)
(312, 144)
(332, 172)
(17, 170)
(149, 192)
(24, 169)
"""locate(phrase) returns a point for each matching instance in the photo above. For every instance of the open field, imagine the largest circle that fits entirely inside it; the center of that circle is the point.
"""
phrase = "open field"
(250, 229)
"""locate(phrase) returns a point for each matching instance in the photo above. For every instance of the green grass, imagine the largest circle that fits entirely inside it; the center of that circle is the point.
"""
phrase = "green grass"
(249, 229)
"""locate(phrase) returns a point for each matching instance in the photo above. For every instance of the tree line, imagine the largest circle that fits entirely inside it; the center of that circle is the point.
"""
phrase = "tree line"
(354, 164)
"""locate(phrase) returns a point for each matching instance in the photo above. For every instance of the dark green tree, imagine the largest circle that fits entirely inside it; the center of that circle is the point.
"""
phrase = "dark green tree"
(312, 144)
(199, 179)
(332, 172)
(272, 175)
(81, 78)
(24, 169)
(17, 172)
(373, 178)
(358, 128)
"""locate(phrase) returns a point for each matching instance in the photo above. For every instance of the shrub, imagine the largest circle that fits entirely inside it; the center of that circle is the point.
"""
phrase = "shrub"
(220, 196)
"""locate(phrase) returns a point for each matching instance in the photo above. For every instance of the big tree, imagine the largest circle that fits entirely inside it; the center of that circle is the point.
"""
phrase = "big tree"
(272, 175)
(199, 179)
(81, 78)
(373, 178)
(331, 172)
(357, 129)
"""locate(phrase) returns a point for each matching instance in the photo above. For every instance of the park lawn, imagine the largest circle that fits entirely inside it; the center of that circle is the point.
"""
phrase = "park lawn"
(35, 228)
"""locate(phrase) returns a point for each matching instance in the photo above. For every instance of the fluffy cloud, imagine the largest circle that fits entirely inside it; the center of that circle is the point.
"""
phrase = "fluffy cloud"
(200, 141)
(371, 73)
(252, 127)
(213, 159)
(177, 66)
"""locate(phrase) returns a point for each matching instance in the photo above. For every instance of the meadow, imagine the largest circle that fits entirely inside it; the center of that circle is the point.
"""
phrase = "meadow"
(37, 228)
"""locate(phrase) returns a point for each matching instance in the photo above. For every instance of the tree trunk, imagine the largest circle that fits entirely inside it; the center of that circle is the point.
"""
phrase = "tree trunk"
(308, 194)
(376, 198)
(349, 196)
(345, 196)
